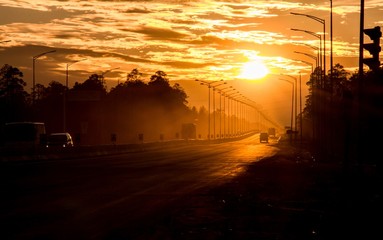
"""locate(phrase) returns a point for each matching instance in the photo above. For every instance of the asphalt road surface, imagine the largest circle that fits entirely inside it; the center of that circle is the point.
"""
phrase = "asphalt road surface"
(106, 197)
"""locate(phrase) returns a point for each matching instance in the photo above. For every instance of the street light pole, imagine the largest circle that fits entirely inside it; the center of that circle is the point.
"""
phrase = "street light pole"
(296, 103)
(214, 112)
(292, 105)
(300, 106)
(66, 91)
(234, 111)
(33, 72)
(226, 129)
(221, 93)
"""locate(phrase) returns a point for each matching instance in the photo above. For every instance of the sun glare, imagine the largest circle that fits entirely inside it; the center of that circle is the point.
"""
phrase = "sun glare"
(253, 70)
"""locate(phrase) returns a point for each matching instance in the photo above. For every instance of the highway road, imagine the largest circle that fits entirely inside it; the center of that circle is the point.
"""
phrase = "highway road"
(101, 197)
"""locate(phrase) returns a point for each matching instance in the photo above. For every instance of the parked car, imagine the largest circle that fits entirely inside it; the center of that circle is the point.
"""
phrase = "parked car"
(264, 137)
(60, 140)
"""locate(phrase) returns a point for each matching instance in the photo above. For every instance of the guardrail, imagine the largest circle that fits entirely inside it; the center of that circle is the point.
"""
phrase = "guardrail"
(43, 153)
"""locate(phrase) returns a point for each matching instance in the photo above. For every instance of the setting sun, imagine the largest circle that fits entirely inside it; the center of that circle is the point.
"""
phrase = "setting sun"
(253, 70)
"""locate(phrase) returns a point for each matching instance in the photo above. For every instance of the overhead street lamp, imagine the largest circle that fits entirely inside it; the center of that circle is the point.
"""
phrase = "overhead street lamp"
(308, 63)
(296, 103)
(315, 35)
(310, 56)
(292, 104)
(311, 46)
(315, 48)
(33, 71)
(320, 48)
(67, 71)
(323, 22)
(108, 71)
(66, 89)
(316, 61)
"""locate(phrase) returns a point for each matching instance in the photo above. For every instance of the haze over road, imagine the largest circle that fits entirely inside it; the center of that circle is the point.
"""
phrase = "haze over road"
(98, 196)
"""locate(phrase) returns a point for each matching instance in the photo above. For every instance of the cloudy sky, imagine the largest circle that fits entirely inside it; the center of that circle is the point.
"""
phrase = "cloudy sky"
(188, 40)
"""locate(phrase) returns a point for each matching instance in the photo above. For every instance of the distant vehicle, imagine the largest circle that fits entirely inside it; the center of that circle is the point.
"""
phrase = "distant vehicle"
(60, 140)
(24, 135)
(188, 131)
(264, 137)
(272, 132)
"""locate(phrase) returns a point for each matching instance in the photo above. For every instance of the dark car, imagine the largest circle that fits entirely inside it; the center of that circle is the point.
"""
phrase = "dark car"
(264, 137)
(60, 140)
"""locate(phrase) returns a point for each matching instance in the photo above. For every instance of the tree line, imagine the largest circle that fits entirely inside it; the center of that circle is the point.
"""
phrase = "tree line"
(343, 113)
(92, 114)
(343, 109)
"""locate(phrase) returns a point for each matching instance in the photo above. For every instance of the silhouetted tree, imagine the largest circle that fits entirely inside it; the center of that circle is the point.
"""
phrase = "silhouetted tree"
(13, 97)
(340, 80)
(159, 79)
(134, 75)
(93, 83)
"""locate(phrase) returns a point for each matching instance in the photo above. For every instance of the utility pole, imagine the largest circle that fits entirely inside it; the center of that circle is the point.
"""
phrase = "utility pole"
(360, 84)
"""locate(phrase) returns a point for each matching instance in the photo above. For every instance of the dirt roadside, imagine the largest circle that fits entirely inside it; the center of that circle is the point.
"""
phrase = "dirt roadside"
(287, 196)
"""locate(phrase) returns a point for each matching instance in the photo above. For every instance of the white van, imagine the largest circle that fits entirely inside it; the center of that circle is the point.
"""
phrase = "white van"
(24, 135)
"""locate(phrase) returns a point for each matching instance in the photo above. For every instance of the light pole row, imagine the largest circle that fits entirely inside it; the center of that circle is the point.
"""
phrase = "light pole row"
(209, 85)
(236, 108)
(323, 22)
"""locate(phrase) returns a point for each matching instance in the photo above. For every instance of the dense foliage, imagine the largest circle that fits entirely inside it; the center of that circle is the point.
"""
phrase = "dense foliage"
(92, 114)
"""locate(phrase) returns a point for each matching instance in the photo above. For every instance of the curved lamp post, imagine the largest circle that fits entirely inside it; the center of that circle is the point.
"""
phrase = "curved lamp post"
(295, 91)
(67, 70)
(320, 48)
(292, 104)
(33, 71)
(313, 47)
(66, 89)
(308, 63)
(106, 72)
(316, 61)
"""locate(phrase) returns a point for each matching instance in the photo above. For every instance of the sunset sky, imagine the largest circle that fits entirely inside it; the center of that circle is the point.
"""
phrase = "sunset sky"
(188, 40)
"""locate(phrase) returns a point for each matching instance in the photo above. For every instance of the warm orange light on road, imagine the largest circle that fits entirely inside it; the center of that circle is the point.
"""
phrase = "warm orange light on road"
(253, 70)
